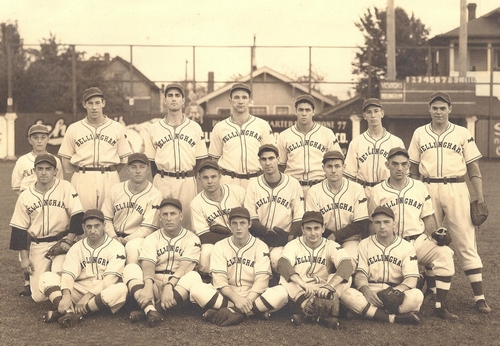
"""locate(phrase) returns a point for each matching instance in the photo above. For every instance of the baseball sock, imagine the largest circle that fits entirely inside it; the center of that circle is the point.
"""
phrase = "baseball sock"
(54, 294)
(431, 279)
(96, 304)
(261, 305)
(475, 277)
(26, 279)
(372, 312)
(218, 301)
(443, 284)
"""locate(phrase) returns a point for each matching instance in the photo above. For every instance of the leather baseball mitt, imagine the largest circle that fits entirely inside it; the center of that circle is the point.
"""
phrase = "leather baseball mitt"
(441, 236)
(478, 212)
(392, 299)
(57, 249)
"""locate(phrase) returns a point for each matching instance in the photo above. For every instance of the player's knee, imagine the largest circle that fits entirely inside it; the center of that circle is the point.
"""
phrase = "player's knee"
(276, 296)
(131, 272)
(47, 280)
(204, 265)
(275, 255)
(189, 280)
(133, 249)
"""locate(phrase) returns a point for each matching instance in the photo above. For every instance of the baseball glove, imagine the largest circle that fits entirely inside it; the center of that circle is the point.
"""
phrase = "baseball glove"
(225, 317)
(478, 212)
(57, 249)
(322, 308)
(276, 237)
(220, 229)
(441, 236)
(69, 320)
(392, 299)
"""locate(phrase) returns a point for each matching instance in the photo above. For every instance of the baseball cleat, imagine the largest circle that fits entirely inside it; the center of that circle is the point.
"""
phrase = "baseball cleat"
(209, 315)
(137, 316)
(409, 318)
(483, 307)
(445, 314)
(298, 319)
(429, 295)
(51, 316)
(329, 322)
(153, 318)
(69, 320)
(26, 292)
(264, 315)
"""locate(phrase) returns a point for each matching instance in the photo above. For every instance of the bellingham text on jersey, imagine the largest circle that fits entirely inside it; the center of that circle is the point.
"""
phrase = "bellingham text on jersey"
(218, 213)
(310, 259)
(91, 137)
(405, 201)
(307, 142)
(445, 145)
(169, 248)
(373, 151)
(385, 258)
(247, 133)
(45, 203)
(244, 261)
(129, 205)
(334, 206)
(92, 260)
(176, 136)
(275, 199)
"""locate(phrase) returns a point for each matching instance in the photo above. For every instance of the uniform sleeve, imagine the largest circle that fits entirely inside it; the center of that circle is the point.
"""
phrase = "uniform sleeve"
(240, 192)
(250, 198)
(427, 208)
(192, 250)
(16, 177)
(71, 265)
(60, 172)
(149, 148)
(290, 251)
(471, 151)
(262, 260)
(414, 148)
(218, 265)
(297, 201)
(215, 148)
(363, 257)
(148, 249)
(20, 218)
(67, 149)
(116, 259)
(74, 203)
(410, 263)
(267, 134)
(107, 207)
(282, 149)
(198, 221)
(338, 254)
(201, 146)
(150, 215)
(312, 199)
(360, 205)
(351, 162)
(333, 142)
(123, 146)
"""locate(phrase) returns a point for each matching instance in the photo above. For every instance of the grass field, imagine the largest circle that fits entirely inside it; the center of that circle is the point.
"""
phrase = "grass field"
(21, 319)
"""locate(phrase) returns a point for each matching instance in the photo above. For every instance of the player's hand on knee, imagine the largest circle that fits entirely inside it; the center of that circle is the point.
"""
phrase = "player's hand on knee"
(373, 299)
(243, 304)
(144, 297)
(167, 298)
(27, 266)
(310, 290)
(65, 304)
(81, 306)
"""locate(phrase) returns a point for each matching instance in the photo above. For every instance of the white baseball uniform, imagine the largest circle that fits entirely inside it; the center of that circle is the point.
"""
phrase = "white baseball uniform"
(23, 174)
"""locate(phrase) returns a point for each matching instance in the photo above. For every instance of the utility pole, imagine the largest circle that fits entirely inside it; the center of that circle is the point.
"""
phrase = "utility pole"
(462, 40)
(391, 41)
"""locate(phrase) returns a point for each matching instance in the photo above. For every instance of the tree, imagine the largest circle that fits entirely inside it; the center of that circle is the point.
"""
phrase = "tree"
(371, 60)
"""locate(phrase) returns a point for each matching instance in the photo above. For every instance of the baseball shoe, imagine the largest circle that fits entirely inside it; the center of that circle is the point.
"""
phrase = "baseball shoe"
(51, 316)
(298, 319)
(209, 315)
(153, 318)
(329, 322)
(229, 318)
(483, 307)
(428, 295)
(409, 318)
(137, 316)
(69, 320)
(26, 292)
(445, 314)
(264, 315)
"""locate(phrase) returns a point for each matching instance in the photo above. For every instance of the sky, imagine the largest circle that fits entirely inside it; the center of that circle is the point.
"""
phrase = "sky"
(201, 23)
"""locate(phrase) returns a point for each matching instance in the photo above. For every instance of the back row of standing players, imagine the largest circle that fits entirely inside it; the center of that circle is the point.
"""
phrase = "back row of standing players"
(95, 149)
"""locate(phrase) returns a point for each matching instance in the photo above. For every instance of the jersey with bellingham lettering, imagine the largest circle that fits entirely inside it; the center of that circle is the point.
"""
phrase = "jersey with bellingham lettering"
(23, 175)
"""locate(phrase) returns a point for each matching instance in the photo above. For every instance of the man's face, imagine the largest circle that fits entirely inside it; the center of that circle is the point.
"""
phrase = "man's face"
(304, 112)
(174, 100)
(94, 106)
(240, 227)
(313, 233)
(334, 169)
(210, 180)
(440, 112)
(45, 172)
(398, 166)
(269, 162)
(384, 226)
(94, 230)
(138, 172)
(39, 142)
(239, 101)
(373, 115)
(170, 217)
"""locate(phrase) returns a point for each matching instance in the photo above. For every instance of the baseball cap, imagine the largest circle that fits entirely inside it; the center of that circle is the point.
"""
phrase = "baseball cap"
(93, 214)
(239, 212)
(372, 102)
(93, 91)
(333, 155)
(313, 216)
(49, 158)
(305, 98)
(440, 95)
(398, 150)
(38, 129)
(383, 210)
(268, 147)
(208, 164)
(240, 86)
(141, 157)
(175, 86)
(171, 201)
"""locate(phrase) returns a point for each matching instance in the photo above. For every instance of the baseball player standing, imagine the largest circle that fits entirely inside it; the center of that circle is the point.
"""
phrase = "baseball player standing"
(275, 203)
(302, 146)
(91, 276)
(93, 151)
(342, 203)
(367, 153)
(130, 209)
(210, 210)
(415, 222)
(240, 269)
(441, 153)
(235, 141)
(174, 148)
(47, 211)
(385, 260)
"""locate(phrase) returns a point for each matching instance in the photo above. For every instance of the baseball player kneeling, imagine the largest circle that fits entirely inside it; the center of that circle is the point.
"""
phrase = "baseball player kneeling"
(386, 276)
(240, 268)
(315, 271)
(90, 280)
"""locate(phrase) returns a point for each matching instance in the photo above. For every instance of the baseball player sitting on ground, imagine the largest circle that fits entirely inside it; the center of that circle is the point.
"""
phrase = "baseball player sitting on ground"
(240, 269)
(93, 151)
(313, 269)
(367, 153)
(302, 146)
(415, 222)
(441, 153)
(342, 203)
(210, 210)
(131, 207)
(165, 274)
(275, 203)
(91, 276)
(46, 212)
(23, 174)
(235, 141)
(386, 275)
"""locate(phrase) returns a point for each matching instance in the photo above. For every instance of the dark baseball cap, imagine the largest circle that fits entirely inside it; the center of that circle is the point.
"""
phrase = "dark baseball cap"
(333, 155)
(239, 212)
(313, 216)
(90, 92)
(268, 147)
(175, 86)
(205, 164)
(398, 151)
(49, 158)
(171, 201)
(372, 102)
(240, 86)
(439, 95)
(38, 128)
(93, 214)
(383, 210)
(305, 98)
(141, 157)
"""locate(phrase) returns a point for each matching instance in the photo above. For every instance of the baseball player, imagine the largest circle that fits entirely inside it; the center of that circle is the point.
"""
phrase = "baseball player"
(91, 276)
(313, 266)
(302, 146)
(174, 148)
(342, 203)
(367, 153)
(47, 211)
(235, 141)
(385, 260)
(275, 203)
(415, 222)
(441, 153)
(165, 274)
(240, 269)
(130, 209)
(93, 151)
(210, 210)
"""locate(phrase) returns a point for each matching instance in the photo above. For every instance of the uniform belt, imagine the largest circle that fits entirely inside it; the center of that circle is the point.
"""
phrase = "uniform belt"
(240, 176)
(412, 237)
(177, 175)
(166, 271)
(444, 180)
(364, 183)
(96, 169)
(49, 239)
(310, 182)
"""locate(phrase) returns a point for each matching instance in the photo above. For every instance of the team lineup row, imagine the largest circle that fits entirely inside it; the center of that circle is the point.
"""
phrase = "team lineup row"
(316, 178)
